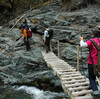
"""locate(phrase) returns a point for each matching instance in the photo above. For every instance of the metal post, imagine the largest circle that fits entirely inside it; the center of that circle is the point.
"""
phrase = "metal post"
(58, 49)
(78, 58)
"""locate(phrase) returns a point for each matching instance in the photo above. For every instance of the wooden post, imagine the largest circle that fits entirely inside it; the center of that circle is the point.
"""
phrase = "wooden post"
(78, 58)
(58, 49)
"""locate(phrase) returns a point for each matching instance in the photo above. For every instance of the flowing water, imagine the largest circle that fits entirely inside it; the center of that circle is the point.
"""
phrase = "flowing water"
(26, 92)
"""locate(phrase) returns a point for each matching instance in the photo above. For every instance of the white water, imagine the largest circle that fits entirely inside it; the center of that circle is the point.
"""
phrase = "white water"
(40, 94)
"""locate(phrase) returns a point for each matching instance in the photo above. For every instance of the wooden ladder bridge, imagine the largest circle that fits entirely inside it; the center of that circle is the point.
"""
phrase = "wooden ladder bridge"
(73, 83)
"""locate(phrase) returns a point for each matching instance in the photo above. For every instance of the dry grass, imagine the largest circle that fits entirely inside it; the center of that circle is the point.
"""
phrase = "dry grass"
(34, 21)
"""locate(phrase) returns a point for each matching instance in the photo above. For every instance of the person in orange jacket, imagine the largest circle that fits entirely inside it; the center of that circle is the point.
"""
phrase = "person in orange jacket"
(24, 35)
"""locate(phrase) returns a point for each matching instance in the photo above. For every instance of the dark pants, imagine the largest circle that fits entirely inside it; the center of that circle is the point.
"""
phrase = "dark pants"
(27, 44)
(47, 44)
(92, 77)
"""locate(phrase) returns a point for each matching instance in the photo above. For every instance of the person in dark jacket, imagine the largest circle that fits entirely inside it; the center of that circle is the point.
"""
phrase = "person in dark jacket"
(46, 39)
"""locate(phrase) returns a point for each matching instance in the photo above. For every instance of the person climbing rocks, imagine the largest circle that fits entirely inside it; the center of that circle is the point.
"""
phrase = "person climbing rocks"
(92, 59)
(24, 35)
(48, 34)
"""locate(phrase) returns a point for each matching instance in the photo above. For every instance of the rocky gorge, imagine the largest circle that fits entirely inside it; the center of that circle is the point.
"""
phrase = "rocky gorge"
(20, 67)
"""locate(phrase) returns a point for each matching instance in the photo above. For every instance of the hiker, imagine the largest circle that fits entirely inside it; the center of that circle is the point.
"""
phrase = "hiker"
(47, 37)
(92, 59)
(25, 24)
(24, 34)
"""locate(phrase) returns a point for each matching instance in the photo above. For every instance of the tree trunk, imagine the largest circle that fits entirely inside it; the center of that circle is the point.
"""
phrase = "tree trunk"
(12, 4)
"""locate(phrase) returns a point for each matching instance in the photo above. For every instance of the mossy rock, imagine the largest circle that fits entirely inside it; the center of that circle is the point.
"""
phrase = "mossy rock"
(35, 83)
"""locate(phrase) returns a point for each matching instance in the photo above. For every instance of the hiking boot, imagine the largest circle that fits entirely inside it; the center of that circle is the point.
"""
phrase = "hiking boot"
(96, 94)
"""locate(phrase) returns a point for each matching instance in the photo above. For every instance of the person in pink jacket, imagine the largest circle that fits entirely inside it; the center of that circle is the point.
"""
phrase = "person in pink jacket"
(92, 59)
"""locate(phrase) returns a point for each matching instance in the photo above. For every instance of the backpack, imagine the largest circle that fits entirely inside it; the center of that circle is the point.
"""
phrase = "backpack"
(97, 67)
(29, 33)
(50, 32)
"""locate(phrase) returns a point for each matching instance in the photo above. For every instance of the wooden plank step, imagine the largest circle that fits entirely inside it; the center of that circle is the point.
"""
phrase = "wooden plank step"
(57, 65)
(59, 62)
(59, 74)
(43, 52)
(85, 97)
(71, 75)
(77, 84)
(46, 57)
(67, 73)
(61, 68)
(78, 88)
(62, 63)
(66, 70)
(80, 93)
(73, 81)
(51, 60)
(70, 78)
(69, 70)
(49, 55)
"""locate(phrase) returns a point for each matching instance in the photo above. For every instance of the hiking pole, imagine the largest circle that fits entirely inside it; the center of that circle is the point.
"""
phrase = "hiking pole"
(18, 38)
(78, 58)
(81, 51)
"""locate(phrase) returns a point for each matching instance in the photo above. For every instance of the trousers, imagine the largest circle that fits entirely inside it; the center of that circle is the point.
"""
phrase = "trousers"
(92, 77)
(27, 44)
(47, 44)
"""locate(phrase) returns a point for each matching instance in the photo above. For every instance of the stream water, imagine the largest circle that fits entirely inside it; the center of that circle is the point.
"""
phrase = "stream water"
(27, 92)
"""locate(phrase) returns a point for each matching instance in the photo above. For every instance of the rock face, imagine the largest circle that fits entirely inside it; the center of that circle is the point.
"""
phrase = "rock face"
(18, 66)
(21, 67)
